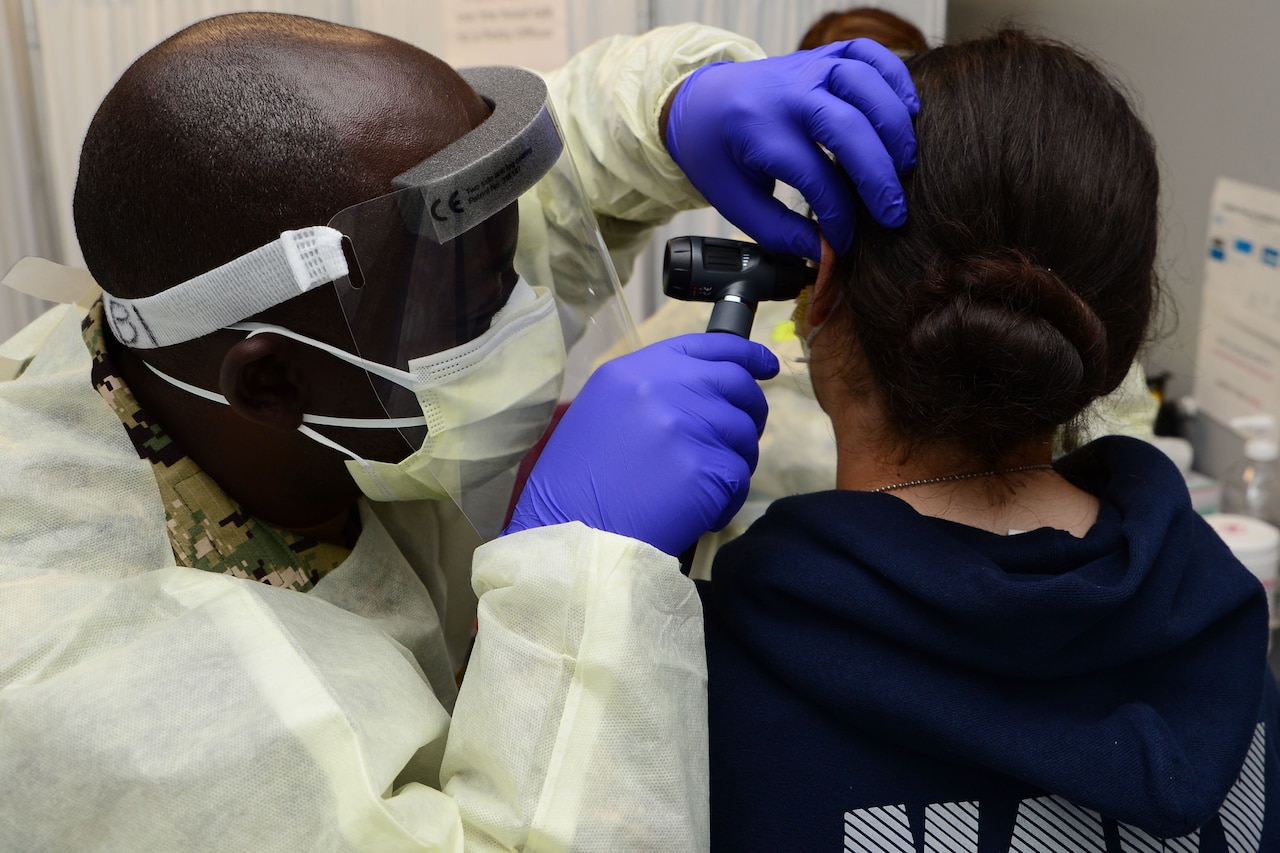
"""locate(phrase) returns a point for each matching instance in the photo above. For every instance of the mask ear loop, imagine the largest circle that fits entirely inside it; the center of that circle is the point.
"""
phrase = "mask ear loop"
(319, 420)
(400, 377)
(807, 358)
(384, 494)
(332, 445)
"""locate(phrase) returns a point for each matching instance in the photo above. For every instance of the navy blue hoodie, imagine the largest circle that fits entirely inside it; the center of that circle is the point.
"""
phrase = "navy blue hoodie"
(886, 681)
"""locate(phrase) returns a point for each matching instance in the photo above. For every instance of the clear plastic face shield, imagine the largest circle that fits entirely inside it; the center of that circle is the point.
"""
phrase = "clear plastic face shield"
(477, 295)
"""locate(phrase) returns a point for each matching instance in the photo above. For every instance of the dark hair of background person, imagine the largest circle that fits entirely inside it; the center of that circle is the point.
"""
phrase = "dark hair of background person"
(1023, 283)
(888, 29)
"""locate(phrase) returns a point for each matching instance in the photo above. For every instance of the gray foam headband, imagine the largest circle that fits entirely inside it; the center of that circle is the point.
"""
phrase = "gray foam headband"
(479, 174)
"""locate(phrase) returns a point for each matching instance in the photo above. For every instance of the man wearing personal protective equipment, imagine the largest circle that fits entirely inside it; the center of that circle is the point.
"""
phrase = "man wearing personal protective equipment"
(334, 269)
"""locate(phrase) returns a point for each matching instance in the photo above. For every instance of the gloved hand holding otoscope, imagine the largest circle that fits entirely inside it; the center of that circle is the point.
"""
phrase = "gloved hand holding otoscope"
(736, 276)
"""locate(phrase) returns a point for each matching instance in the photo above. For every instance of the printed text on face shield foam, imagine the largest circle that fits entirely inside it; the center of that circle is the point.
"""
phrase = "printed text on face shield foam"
(1053, 824)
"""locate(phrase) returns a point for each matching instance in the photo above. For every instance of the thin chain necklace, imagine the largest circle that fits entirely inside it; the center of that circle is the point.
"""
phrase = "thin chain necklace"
(950, 477)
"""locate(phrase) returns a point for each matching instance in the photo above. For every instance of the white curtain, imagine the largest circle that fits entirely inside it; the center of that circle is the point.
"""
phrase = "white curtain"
(26, 223)
(58, 58)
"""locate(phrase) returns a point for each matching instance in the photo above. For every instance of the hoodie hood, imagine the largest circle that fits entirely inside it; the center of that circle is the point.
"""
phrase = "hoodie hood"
(1123, 670)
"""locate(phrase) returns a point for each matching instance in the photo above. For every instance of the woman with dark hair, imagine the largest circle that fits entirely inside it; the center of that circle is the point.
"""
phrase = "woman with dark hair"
(967, 646)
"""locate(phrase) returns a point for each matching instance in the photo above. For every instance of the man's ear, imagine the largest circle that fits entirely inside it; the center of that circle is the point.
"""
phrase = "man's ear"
(826, 291)
(259, 381)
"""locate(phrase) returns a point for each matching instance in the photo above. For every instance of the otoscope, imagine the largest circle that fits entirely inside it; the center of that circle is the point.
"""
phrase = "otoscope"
(736, 276)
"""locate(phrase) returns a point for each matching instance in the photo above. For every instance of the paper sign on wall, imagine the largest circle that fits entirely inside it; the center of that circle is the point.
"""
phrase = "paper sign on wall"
(529, 33)
(1238, 358)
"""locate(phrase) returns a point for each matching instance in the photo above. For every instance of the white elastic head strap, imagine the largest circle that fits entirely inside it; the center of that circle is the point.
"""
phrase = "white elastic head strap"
(295, 263)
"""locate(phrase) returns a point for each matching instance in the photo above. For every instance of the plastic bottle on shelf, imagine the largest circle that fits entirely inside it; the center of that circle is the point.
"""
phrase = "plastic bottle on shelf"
(1252, 489)
(1252, 486)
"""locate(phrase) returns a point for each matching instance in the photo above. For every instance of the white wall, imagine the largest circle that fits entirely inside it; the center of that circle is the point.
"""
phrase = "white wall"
(1204, 76)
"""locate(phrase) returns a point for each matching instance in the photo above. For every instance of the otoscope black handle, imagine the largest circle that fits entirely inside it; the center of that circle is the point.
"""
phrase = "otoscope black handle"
(731, 314)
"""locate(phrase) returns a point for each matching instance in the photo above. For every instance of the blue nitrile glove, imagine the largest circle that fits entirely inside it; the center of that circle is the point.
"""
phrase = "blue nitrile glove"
(659, 445)
(736, 127)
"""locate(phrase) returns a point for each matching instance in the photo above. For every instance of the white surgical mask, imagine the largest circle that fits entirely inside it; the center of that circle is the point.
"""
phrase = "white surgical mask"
(485, 403)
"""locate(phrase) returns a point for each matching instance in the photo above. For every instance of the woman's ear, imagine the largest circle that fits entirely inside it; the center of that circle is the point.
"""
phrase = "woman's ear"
(259, 381)
(826, 292)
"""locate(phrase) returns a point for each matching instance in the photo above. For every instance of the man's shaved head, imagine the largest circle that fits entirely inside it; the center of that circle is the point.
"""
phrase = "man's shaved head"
(245, 125)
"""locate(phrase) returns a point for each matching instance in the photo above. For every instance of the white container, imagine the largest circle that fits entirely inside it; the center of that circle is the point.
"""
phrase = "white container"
(1256, 544)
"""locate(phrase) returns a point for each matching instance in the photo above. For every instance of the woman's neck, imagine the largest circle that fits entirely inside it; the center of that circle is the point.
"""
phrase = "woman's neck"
(1002, 503)
(1019, 493)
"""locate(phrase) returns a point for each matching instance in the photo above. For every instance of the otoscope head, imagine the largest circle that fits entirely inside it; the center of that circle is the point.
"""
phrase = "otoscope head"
(733, 274)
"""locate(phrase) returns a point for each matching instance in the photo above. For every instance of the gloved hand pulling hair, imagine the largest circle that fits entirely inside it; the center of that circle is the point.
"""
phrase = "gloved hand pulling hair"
(659, 445)
(736, 128)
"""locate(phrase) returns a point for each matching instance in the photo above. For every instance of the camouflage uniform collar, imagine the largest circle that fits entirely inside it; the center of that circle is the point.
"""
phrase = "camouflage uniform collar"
(207, 529)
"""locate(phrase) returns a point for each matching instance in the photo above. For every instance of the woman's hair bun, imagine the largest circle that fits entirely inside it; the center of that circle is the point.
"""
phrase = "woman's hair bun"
(999, 347)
